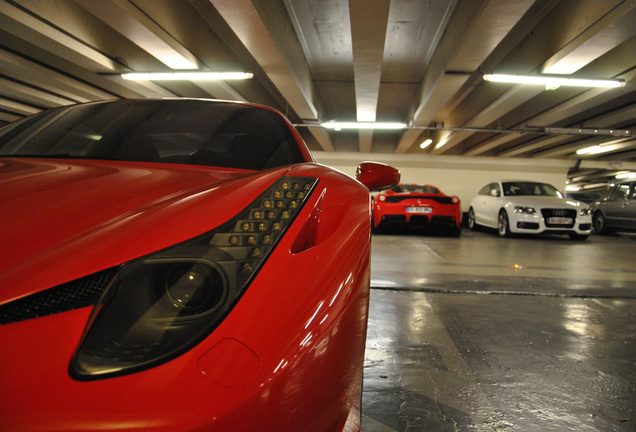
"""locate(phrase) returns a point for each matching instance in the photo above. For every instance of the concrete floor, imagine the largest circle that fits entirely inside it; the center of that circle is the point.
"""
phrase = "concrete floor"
(479, 333)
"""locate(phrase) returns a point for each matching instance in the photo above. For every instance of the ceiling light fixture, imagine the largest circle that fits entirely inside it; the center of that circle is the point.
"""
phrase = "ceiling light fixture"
(192, 76)
(590, 150)
(441, 144)
(627, 175)
(608, 146)
(362, 125)
(552, 82)
(426, 143)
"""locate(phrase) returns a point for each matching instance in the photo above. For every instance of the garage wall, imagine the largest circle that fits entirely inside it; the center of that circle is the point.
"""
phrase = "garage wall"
(456, 175)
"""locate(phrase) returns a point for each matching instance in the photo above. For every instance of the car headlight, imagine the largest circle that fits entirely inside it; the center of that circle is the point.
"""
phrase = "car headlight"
(160, 306)
(525, 210)
(585, 211)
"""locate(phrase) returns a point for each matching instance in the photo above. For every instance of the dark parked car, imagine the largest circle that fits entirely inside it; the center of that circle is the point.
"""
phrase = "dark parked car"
(586, 197)
(617, 210)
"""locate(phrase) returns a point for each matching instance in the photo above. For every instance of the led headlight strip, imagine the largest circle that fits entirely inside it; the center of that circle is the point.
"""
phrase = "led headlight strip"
(162, 305)
(258, 229)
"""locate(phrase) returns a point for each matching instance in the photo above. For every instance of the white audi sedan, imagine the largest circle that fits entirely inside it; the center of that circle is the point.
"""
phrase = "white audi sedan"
(528, 207)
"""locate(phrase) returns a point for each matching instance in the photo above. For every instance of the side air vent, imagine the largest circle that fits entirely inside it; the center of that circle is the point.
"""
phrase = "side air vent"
(77, 294)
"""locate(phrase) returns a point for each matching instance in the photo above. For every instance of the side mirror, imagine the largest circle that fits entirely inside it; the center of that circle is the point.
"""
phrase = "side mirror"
(377, 176)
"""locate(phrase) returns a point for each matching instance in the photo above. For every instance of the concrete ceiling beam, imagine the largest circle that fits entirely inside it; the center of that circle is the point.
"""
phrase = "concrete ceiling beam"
(294, 83)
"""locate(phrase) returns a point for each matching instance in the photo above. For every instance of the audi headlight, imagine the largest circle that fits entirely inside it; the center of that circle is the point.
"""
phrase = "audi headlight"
(585, 211)
(158, 307)
(525, 210)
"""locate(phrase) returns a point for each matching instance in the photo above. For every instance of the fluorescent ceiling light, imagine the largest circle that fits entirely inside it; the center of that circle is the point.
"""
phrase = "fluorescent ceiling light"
(591, 150)
(441, 144)
(628, 175)
(192, 76)
(426, 143)
(362, 125)
(605, 147)
(552, 82)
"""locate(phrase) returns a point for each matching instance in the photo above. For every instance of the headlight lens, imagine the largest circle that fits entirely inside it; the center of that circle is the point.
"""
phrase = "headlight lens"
(525, 210)
(585, 211)
(162, 305)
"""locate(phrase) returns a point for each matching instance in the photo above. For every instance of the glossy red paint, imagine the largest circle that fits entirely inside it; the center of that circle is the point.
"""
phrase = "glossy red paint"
(377, 176)
(306, 330)
(424, 207)
(289, 355)
(117, 211)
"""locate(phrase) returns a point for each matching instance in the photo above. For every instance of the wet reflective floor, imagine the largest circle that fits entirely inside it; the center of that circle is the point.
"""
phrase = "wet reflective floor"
(479, 333)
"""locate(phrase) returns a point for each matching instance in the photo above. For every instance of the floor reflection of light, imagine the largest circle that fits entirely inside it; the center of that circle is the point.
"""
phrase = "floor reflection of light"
(576, 320)
(417, 315)
(384, 283)
(422, 281)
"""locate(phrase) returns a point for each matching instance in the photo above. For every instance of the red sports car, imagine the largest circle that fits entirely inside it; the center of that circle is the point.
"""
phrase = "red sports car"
(417, 206)
(179, 265)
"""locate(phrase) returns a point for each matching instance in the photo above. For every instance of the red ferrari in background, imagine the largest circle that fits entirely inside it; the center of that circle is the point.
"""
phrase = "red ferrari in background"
(179, 265)
(417, 206)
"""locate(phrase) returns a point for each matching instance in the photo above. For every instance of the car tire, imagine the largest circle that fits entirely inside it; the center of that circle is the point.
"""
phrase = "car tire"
(579, 237)
(472, 223)
(503, 224)
(598, 222)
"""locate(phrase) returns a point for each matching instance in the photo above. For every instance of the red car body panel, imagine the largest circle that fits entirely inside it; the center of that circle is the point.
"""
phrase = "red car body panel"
(251, 373)
(438, 211)
(287, 357)
(98, 204)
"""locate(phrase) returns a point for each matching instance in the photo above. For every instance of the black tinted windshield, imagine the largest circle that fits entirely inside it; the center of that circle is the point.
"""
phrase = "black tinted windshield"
(195, 132)
(530, 188)
(415, 189)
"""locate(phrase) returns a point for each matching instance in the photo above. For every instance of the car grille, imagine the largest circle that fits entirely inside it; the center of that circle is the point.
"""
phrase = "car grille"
(77, 294)
(558, 213)
(441, 200)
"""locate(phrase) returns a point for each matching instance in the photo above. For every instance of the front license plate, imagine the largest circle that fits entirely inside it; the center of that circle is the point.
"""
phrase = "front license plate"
(419, 210)
(560, 221)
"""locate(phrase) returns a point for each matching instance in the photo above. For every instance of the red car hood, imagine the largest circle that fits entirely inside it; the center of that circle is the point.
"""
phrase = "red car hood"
(65, 219)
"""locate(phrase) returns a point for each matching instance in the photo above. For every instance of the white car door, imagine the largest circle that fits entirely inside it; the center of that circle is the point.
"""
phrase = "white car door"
(486, 205)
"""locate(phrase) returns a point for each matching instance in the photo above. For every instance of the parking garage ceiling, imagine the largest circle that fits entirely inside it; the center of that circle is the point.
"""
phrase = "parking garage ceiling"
(416, 62)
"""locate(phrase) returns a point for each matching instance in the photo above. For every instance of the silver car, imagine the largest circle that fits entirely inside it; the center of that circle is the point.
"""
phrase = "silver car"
(617, 211)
